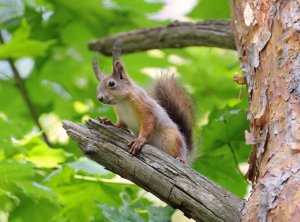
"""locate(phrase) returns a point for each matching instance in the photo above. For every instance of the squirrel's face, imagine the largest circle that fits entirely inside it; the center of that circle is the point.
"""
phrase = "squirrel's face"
(114, 88)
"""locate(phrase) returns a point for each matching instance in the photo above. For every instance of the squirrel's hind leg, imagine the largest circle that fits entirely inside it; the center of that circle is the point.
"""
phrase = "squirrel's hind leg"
(173, 144)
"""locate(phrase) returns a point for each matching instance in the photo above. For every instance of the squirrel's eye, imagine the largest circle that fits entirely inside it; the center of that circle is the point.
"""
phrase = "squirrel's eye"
(111, 83)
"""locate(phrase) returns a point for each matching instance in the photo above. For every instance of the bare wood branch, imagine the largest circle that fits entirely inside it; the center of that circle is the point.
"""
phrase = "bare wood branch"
(213, 33)
(169, 179)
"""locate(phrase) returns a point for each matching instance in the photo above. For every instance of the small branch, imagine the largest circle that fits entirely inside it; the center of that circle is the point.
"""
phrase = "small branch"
(24, 93)
(241, 80)
(213, 33)
(232, 150)
(167, 178)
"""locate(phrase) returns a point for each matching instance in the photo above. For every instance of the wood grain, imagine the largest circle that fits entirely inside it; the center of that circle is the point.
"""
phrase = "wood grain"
(170, 180)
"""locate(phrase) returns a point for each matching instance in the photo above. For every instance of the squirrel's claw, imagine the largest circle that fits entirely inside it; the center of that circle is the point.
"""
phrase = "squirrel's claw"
(105, 120)
(181, 160)
(136, 145)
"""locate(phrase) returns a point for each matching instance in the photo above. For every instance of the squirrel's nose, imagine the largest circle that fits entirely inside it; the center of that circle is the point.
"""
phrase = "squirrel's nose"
(100, 98)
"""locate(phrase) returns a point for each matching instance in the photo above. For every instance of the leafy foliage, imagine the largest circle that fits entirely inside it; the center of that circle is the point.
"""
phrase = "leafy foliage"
(133, 210)
(20, 45)
(60, 184)
(223, 148)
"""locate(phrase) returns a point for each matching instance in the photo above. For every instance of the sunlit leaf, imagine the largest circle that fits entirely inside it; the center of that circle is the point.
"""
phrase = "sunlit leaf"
(86, 165)
(21, 45)
(39, 153)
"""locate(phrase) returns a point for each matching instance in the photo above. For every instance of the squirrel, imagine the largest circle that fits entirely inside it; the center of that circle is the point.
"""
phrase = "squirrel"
(162, 118)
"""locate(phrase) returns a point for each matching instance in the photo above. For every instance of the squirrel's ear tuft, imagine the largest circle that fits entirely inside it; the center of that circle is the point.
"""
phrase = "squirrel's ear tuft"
(96, 69)
(119, 69)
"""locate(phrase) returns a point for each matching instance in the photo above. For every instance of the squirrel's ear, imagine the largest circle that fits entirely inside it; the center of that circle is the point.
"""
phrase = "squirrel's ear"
(97, 71)
(119, 69)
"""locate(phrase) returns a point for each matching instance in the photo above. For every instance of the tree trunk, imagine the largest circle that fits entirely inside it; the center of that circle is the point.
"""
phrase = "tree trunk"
(267, 38)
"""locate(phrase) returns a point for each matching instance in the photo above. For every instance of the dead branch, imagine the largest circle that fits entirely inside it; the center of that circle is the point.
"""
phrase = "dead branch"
(170, 180)
(213, 33)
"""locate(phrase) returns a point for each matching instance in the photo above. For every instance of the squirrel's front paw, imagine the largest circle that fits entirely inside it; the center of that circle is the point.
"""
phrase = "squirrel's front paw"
(136, 145)
(105, 120)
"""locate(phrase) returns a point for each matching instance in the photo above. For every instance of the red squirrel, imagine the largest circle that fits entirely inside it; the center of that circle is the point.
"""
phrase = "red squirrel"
(162, 118)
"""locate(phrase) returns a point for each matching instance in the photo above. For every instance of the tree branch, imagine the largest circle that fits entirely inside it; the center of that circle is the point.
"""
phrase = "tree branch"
(24, 93)
(213, 33)
(167, 178)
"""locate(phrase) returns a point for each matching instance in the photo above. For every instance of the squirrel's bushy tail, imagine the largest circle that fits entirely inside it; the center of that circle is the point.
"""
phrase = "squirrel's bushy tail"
(176, 101)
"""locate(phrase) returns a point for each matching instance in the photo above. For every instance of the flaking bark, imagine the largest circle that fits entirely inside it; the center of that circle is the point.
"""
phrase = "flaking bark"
(169, 179)
(267, 35)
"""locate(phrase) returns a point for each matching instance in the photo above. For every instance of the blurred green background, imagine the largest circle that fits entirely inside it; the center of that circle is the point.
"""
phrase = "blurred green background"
(47, 42)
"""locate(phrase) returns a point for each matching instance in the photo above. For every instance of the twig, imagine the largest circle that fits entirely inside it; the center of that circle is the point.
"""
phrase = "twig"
(24, 93)
(236, 161)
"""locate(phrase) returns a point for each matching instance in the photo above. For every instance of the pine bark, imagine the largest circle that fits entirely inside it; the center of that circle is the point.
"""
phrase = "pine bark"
(267, 36)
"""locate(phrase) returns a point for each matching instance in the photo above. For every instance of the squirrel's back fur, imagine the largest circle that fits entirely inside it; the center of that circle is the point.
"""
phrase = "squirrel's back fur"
(177, 103)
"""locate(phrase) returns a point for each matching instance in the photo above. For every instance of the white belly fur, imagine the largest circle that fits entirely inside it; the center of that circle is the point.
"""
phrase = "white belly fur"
(129, 117)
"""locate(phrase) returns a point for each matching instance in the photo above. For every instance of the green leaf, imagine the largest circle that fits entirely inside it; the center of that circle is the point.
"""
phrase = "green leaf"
(136, 208)
(60, 176)
(75, 192)
(21, 45)
(160, 214)
(220, 166)
(88, 166)
(39, 153)
(122, 214)
(22, 175)
(83, 193)
(15, 171)
(113, 214)
(6, 194)
(16, 121)
(223, 140)
(34, 211)
(37, 191)
(207, 9)
(42, 156)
